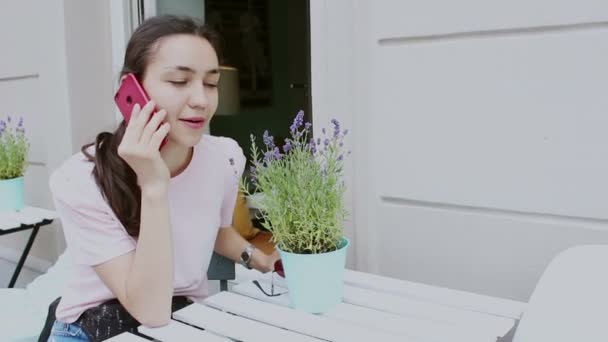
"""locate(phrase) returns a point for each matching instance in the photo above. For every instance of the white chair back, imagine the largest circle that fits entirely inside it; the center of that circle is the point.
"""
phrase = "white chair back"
(570, 302)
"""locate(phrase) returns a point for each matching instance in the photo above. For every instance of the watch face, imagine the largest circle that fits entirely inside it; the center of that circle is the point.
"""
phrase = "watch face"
(245, 256)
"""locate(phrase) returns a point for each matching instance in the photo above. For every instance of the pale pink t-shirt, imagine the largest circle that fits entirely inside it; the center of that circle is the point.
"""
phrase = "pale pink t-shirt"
(201, 200)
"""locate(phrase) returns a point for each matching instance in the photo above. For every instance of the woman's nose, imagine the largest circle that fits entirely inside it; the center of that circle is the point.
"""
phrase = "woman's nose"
(198, 97)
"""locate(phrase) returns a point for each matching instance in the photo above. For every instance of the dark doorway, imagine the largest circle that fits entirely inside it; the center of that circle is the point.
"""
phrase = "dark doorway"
(266, 44)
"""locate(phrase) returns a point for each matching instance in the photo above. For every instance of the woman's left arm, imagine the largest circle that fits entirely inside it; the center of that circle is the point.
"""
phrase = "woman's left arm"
(231, 244)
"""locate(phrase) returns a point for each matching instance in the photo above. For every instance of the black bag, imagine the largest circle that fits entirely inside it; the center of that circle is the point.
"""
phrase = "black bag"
(105, 320)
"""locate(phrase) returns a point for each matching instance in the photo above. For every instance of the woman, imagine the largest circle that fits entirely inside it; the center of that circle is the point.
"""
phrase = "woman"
(141, 221)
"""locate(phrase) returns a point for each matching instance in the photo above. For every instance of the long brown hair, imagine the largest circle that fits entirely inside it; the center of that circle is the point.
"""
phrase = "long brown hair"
(114, 177)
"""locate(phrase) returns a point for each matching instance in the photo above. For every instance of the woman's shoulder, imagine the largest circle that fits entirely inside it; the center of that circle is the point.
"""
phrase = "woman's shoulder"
(74, 177)
(228, 150)
(225, 146)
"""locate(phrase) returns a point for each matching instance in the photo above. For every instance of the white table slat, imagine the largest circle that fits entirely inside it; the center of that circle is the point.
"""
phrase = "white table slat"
(297, 321)
(127, 337)
(402, 288)
(416, 308)
(28, 215)
(235, 327)
(179, 332)
(421, 329)
(459, 299)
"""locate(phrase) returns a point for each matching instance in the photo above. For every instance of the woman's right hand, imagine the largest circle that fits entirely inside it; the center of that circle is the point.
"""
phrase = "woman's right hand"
(140, 147)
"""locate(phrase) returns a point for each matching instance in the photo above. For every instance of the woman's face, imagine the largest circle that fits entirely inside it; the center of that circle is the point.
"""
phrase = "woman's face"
(181, 77)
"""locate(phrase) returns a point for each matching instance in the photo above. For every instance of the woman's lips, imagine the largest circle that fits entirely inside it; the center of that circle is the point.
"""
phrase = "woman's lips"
(194, 123)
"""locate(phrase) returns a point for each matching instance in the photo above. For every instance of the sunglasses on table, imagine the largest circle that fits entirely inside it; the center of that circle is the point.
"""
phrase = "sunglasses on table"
(278, 269)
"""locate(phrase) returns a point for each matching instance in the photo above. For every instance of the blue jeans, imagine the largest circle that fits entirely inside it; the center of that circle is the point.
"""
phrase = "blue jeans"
(67, 332)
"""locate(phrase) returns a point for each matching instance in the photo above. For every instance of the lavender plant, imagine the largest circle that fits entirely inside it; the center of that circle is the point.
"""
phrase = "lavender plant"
(303, 191)
(14, 148)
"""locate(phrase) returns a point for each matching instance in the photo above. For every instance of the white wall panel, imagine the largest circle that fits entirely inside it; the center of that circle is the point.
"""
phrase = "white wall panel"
(516, 123)
(491, 253)
(415, 18)
(19, 32)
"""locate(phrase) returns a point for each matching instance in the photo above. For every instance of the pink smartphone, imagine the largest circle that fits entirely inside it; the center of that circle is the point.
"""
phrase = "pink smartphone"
(130, 93)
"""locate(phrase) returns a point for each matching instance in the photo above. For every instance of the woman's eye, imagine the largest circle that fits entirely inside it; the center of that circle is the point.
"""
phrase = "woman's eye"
(178, 82)
(211, 85)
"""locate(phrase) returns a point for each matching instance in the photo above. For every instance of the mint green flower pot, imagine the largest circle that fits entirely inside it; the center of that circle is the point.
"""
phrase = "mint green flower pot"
(12, 194)
(315, 281)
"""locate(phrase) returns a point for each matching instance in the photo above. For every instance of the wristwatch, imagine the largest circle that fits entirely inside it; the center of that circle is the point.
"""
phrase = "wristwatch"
(246, 256)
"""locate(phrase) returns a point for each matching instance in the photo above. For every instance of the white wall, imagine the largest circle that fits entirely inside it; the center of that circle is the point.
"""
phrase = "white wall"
(91, 77)
(478, 133)
(55, 70)
(34, 86)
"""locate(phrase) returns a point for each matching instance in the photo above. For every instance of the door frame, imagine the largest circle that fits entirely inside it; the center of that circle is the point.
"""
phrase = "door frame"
(125, 16)
(341, 51)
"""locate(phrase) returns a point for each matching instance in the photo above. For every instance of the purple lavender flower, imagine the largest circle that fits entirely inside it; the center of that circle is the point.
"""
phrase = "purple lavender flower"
(307, 126)
(345, 132)
(253, 175)
(297, 122)
(323, 130)
(340, 157)
(9, 119)
(326, 142)
(287, 146)
(276, 154)
(268, 140)
(267, 157)
(313, 146)
(318, 141)
(336, 127)
(20, 122)
(271, 155)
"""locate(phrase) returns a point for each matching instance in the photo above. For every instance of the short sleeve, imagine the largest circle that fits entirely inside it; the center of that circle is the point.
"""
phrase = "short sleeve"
(93, 233)
(235, 161)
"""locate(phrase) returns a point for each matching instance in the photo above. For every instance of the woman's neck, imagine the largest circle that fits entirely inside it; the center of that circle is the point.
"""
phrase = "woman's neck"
(176, 157)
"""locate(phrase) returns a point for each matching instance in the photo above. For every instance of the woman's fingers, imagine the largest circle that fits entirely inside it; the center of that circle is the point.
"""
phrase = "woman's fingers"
(159, 135)
(138, 120)
(144, 116)
(152, 126)
(129, 136)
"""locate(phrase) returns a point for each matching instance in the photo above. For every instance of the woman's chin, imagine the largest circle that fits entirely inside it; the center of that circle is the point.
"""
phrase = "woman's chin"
(182, 142)
(189, 140)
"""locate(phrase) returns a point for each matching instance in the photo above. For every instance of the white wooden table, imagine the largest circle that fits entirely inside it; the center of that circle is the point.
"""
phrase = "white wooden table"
(375, 308)
(24, 219)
